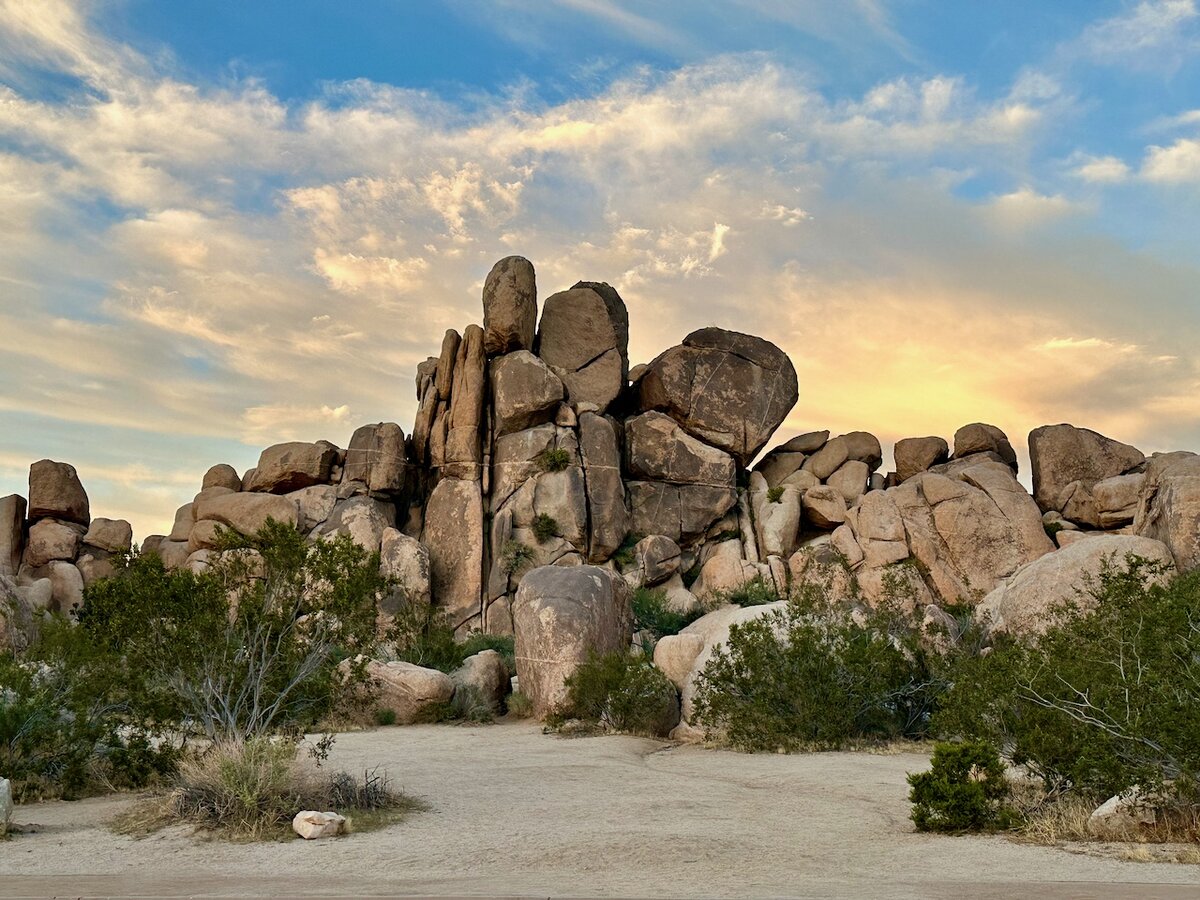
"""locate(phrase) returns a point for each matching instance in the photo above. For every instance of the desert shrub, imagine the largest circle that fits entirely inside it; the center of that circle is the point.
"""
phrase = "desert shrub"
(251, 790)
(504, 644)
(775, 494)
(964, 790)
(385, 717)
(515, 557)
(813, 676)
(469, 705)
(553, 459)
(652, 612)
(420, 634)
(621, 692)
(519, 705)
(1107, 699)
(755, 592)
(544, 527)
(248, 648)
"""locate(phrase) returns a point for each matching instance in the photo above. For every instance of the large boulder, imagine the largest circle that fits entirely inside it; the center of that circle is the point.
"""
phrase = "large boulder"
(608, 513)
(824, 507)
(1063, 454)
(657, 449)
(315, 504)
(406, 689)
(560, 617)
(979, 437)
(50, 539)
(1026, 604)
(454, 536)
(109, 535)
(246, 513)
(682, 512)
(730, 390)
(486, 674)
(703, 637)
(509, 306)
(55, 492)
(918, 454)
(525, 392)
(656, 558)
(406, 560)
(580, 337)
(776, 522)
(222, 475)
(828, 459)
(377, 458)
(12, 533)
(1116, 499)
(365, 519)
(287, 467)
(1169, 506)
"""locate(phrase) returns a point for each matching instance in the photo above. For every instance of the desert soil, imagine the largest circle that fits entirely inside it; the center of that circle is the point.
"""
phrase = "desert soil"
(514, 812)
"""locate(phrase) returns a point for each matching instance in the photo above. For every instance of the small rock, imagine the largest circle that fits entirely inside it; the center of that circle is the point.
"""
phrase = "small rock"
(311, 825)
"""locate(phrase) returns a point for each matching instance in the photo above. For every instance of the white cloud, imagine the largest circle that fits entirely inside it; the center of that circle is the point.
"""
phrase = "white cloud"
(1102, 169)
(1152, 34)
(1174, 164)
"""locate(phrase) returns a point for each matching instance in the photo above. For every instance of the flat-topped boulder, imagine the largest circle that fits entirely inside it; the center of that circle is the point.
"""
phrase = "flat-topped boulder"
(290, 466)
(55, 492)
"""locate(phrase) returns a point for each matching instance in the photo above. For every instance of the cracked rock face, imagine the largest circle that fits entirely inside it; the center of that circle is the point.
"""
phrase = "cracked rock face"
(729, 390)
(584, 338)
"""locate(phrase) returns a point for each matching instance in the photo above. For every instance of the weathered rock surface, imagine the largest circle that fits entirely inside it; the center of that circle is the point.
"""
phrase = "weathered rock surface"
(55, 492)
(406, 560)
(246, 513)
(313, 825)
(608, 514)
(50, 539)
(365, 519)
(656, 448)
(525, 392)
(12, 533)
(828, 459)
(509, 306)
(560, 616)
(453, 535)
(222, 475)
(1025, 604)
(777, 523)
(287, 467)
(110, 535)
(656, 558)
(681, 512)
(485, 673)
(730, 390)
(463, 452)
(579, 337)
(407, 689)
(1169, 506)
(824, 507)
(850, 480)
(916, 455)
(1062, 454)
(377, 458)
(315, 504)
(1117, 499)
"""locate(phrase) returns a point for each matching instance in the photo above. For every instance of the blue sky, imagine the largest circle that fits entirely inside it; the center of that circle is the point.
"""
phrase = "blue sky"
(226, 224)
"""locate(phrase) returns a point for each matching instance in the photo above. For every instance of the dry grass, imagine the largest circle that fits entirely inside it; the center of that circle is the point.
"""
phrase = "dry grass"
(251, 791)
(1064, 821)
(519, 705)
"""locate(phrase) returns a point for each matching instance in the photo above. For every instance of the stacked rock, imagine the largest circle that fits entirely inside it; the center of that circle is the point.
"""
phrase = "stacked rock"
(50, 546)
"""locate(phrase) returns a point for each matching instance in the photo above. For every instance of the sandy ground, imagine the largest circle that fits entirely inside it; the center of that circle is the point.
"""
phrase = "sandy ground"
(518, 813)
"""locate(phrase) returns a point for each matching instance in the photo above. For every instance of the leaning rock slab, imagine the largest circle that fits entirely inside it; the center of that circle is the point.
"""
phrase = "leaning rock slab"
(560, 616)
(12, 533)
(454, 536)
(110, 535)
(1062, 454)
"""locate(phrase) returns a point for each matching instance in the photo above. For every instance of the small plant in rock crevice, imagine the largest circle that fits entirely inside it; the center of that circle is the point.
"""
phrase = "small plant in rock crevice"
(553, 459)
(775, 494)
(515, 557)
(545, 527)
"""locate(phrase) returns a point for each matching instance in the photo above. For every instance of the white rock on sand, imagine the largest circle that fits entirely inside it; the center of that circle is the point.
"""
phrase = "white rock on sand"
(311, 825)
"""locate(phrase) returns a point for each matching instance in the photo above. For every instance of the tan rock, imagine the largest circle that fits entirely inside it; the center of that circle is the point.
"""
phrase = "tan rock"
(110, 535)
(12, 533)
(222, 475)
(55, 492)
(509, 306)
(485, 673)
(608, 513)
(850, 480)
(365, 519)
(287, 467)
(50, 539)
(1062, 454)
(981, 438)
(824, 507)
(1117, 499)
(916, 455)
(525, 392)
(378, 459)
(454, 537)
(406, 560)
(658, 449)
(246, 513)
(580, 339)
(828, 459)
(312, 825)
(1169, 506)
(407, 689)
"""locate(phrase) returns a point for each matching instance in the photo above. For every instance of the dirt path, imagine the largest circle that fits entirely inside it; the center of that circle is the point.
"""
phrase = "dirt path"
(517, 813)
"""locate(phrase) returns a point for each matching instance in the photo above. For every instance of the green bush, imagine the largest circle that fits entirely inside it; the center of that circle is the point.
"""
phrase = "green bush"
(965, 790)
(385, 717)
(250, 647)
(544, 528)
(515, 557)
(624, 556)
(1107, 699)
(554, 459)
(775, 494)
(755, 592)
(420, 634)
(811, 676)
(519, 705)
(622, 692)
(652, 613)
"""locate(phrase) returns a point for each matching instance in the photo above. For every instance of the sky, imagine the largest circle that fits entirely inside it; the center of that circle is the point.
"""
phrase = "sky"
(228, 224)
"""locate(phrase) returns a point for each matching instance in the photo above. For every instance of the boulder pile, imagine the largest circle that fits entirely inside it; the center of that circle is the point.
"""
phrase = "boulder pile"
(545, 477)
